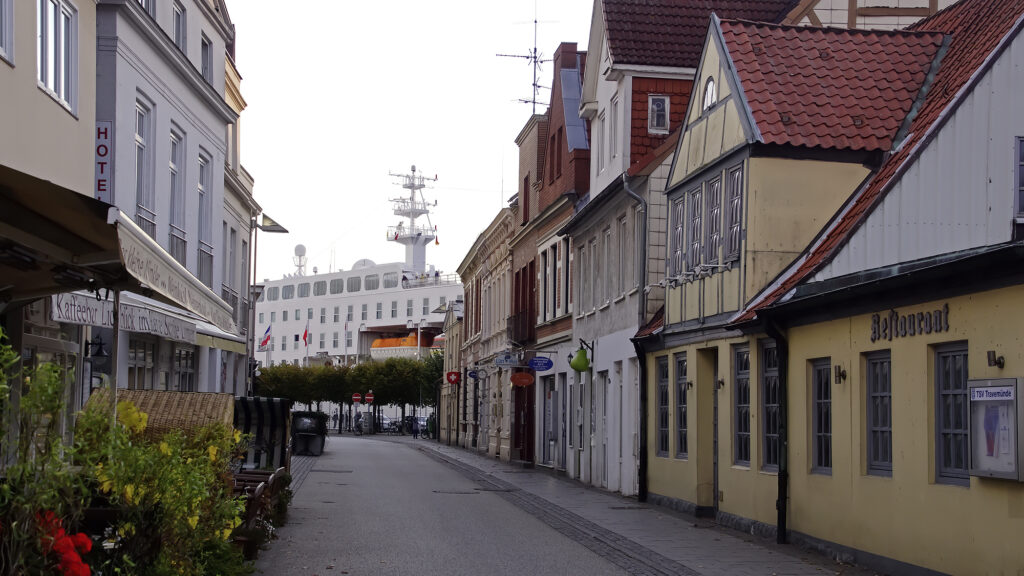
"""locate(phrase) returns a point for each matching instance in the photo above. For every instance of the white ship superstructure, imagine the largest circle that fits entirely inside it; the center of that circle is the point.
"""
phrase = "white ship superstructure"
(371, 311)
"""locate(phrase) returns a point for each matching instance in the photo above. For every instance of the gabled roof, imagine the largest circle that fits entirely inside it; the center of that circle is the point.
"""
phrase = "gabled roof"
(978, 28)
(671, 32)
(829, 87)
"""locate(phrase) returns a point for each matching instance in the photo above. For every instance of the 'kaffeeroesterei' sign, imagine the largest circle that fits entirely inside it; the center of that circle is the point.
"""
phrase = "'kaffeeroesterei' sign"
(896, 325)
(87, 310)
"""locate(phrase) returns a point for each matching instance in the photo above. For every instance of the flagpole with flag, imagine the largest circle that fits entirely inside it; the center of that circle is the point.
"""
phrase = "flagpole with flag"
(305, 340)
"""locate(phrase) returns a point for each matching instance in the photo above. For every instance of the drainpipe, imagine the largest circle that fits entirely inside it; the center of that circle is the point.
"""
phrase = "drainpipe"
(782, 502)
(638, 346)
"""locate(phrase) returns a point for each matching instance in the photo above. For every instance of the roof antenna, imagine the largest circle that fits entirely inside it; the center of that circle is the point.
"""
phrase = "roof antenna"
(535, 58)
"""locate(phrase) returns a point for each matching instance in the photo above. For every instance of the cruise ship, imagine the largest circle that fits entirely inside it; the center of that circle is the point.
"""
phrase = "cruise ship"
(371, 311)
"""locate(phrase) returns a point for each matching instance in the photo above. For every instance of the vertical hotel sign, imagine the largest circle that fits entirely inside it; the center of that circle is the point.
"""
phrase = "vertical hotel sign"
(104, 149)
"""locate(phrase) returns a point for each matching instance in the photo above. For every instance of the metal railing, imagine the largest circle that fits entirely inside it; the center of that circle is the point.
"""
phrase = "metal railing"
(205, 266)
(178, 247)
(421, 280)
(146, 220)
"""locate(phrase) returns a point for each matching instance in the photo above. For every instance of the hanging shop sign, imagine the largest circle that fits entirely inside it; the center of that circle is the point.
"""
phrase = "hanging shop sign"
(893, 324)
(453, 377)
(86, 310)
(541, 363)
(522, 379)
(506, 360)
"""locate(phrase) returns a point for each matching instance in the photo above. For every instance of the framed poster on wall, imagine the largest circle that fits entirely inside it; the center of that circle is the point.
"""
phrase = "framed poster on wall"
(995, 415)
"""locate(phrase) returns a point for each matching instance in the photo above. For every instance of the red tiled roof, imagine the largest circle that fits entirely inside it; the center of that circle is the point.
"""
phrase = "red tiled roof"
(652, 326)
(829, 87)
(977, 27)
(671, 32)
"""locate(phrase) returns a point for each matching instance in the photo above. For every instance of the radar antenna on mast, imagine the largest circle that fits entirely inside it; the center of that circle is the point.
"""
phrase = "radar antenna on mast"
(300, 260)
(415, 238)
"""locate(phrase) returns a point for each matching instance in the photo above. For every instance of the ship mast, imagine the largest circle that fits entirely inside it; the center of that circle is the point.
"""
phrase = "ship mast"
(414, 237)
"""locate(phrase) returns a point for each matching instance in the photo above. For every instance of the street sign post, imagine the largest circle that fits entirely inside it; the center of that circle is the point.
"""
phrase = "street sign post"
(369, 397)
(356, 398)
(453, 377)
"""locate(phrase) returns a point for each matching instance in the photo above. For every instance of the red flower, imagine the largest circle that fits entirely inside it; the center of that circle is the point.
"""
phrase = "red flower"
(82, 543)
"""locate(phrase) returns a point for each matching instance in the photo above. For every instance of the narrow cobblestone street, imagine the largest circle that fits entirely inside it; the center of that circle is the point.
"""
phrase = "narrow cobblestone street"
(394, 505)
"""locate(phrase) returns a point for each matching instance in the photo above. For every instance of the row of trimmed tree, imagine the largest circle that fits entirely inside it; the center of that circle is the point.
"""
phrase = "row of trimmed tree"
(395, 382)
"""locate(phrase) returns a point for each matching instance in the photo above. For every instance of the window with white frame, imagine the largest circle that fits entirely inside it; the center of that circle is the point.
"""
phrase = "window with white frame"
(284, 316)
(348, 314)
(613, 129)
(309, 313)
(693, 231)
(623, 253)
(408, 308)
(288, 292)
(598, 141)
(380, 310)
(145, 203)
(710, 95)
(57, 49)
(323, 338)
(348, 339)
(320, 288)
(426, 306)
(363, 312)
(372, 282)
(678, 241)
(663, 409)
(284, 343)
(741, 406)
(179, 26)
(770, 406)
(273, 317)
(394, 308)
(545, 287)
(7, 30)
(657, 113)
(334, 341)
(952, 432)
(337, 286)
(606, 264)
(821, 415)
(148, 5)
(564, 293)
(879, 413)
(639, 246)
(734, 212)
(304, 290)
(323, 315)
(713, 224)
(273, 293)
(337, 314)
(592, 280)
(581, 269)
(206, 59)
(205, 250)
(681, 416)
(261, 318)
(390, 279)
(230, 274)
(354, 283)
(177, 237)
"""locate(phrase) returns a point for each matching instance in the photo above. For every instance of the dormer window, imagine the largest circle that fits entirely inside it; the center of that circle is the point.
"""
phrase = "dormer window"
(657, 114)
(710, 95)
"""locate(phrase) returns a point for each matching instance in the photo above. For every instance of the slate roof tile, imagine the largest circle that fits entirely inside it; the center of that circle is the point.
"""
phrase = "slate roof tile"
(672, 32)
(829, 87)
(976, 28)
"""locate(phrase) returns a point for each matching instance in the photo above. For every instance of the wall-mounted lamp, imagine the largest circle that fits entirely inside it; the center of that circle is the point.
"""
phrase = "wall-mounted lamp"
(840, 374)
(689, 385)
(994, 360)
(580, 363)
(95, 349)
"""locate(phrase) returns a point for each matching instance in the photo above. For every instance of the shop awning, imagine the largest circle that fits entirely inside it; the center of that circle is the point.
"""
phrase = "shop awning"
(55, 240)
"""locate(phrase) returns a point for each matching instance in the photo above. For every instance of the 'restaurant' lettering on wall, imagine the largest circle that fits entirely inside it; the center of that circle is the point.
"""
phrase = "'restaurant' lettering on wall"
(892, 324)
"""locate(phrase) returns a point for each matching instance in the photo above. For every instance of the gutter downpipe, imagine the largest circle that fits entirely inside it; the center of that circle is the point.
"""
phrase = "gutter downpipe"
(782, 501)
(641, 492)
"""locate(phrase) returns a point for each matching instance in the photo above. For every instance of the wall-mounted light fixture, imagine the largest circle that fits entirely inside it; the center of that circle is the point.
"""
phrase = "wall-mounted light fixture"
(994, 360)
(720, 384)
(689, 384)
(840, 374)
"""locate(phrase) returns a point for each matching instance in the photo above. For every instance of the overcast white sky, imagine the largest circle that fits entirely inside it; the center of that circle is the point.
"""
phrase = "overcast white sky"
(341, 93)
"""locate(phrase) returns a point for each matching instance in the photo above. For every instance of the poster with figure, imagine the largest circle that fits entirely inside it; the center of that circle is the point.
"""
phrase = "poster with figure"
(994, 428)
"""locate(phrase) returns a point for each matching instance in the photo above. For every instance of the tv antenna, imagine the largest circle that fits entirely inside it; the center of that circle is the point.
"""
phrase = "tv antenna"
(535, 58)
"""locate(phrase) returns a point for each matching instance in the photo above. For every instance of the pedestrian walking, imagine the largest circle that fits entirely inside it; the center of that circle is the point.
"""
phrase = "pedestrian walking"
(415, 428)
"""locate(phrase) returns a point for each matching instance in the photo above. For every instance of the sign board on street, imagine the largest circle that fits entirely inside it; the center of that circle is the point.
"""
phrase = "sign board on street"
(522, 379)
(506, 359)
(472, 374)
(541, 363)
(357, 398)
(453, 377)
(369, 397)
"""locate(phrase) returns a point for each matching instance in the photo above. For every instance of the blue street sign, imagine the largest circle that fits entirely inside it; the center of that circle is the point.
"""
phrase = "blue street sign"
(541, 363)
(472, 374)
